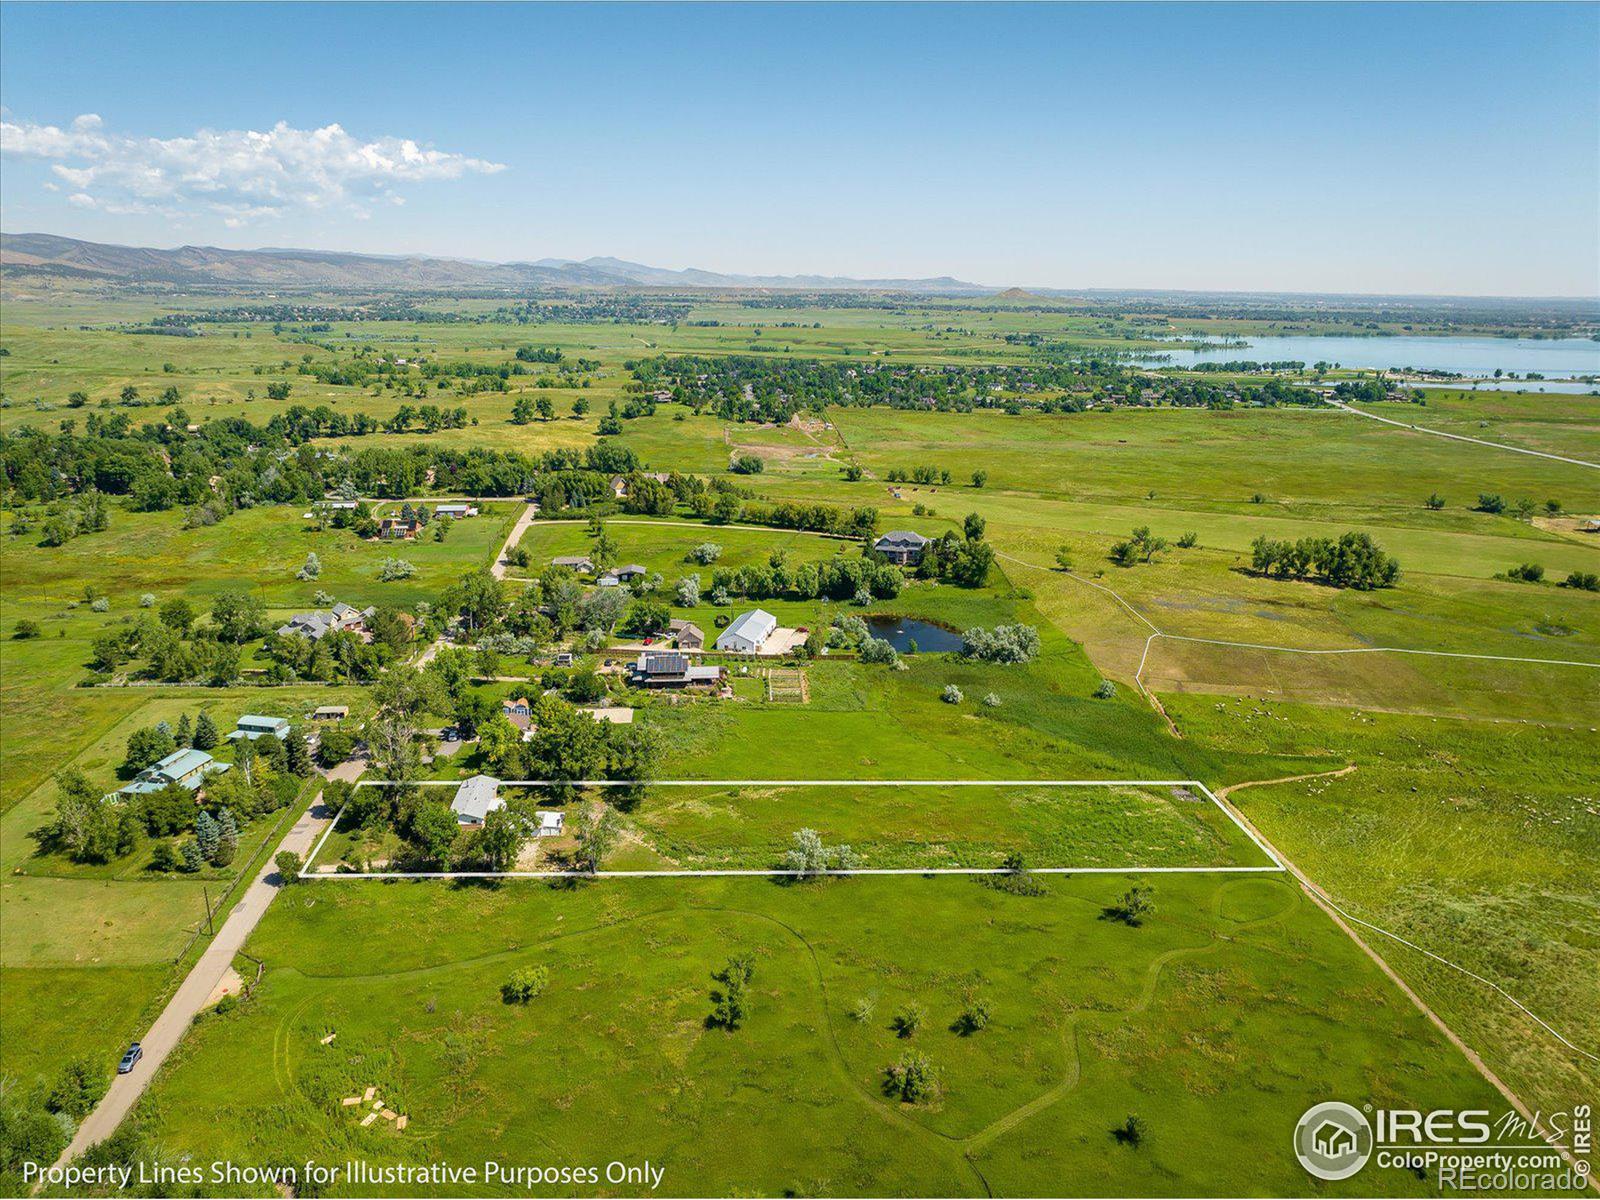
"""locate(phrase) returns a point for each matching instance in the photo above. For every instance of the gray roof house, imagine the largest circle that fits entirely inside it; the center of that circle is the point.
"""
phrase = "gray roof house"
(251, 727)
(317, 625)
(578, 562)
(901, 546)
(669, 668)
(186, 767)
(475, 799)
(630, 571)
(748, 633)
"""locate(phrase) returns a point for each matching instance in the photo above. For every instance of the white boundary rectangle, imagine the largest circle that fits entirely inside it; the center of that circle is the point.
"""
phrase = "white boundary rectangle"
(1276, 866)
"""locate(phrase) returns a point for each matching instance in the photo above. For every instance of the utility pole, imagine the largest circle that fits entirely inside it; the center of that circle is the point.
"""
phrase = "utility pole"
(211, 929)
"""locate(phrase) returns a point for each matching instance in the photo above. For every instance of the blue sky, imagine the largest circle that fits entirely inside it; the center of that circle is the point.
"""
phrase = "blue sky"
(1388, 148)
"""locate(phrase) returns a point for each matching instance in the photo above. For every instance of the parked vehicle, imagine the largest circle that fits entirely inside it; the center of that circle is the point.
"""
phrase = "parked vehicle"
(130, 1059)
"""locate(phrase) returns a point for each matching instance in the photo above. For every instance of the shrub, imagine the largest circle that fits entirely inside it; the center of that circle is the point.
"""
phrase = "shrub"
(1586, 581)
(26, 629)
(876, 650)
(913, 1079)
(1188, 540)
(289, 867)
(747, 464)
(164, 858)
(147, 600)
(861, 1011)
(706, 553)
(1106, 690)
(1526, 572)
(974, 1017)
(1131, 1132)
(1014, 878)
(951, 694)
(334, 747)
(1002, 644)
(991, 700)
(808, 857)
(909, 1019)
(731, 1002)
(525, 983)
(100, 604)
(392, 569)
(77, 1091)
(1137, 903)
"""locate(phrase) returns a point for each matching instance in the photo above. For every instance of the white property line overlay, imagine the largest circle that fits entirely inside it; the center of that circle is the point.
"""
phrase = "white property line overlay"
(1276, 866)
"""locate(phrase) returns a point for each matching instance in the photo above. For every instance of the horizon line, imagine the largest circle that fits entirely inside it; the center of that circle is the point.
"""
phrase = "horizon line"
(424, 256)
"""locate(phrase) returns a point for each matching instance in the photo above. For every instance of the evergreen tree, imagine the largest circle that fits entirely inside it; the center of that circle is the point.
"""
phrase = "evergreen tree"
(208, 834)
(185, 733)
(297, 757)
(193, 859)
(205, 733)
(227, 838)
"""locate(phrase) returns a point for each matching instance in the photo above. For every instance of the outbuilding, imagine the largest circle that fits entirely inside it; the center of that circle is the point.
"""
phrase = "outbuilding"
(748, 633)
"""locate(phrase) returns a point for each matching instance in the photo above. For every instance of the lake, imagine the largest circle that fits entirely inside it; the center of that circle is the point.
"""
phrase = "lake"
(900, 632)
(1557, 358)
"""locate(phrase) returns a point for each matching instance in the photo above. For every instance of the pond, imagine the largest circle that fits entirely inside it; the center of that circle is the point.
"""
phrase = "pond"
(900, 632)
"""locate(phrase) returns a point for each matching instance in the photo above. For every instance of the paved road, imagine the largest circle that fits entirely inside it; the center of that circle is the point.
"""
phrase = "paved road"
(202, 980)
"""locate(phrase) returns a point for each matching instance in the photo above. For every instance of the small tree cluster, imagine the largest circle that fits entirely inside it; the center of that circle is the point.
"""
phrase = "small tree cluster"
(525, 984)
(731, 1002)
(1002, 644)
(1353, 561)
(914, 1079)
(809, 858)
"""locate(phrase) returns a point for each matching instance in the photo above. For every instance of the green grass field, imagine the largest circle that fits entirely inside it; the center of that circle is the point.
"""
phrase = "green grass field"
(1468, 825)
(1092, 1021)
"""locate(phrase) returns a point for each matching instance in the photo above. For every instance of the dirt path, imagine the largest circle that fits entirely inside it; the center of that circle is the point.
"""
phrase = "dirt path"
(197, 988)
(501, 566)
(1461, 437)
(1337, 916)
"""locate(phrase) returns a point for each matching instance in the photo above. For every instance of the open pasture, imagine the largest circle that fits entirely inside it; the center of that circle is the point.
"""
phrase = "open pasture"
(1092, 1019)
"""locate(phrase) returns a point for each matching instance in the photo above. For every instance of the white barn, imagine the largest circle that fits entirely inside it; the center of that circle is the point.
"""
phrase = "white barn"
(748, 633)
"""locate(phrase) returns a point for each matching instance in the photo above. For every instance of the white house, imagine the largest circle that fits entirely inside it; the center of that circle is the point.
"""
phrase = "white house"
(455, 511)
(748, 633)
(475, 799)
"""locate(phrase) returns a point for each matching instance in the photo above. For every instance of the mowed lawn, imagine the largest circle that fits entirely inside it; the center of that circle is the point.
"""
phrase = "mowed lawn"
(1092, 1020)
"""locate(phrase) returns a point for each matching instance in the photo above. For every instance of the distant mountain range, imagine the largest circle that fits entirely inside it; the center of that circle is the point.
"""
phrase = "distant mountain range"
(191, 265)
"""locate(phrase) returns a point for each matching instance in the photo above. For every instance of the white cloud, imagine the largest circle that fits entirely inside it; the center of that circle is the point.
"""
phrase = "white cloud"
(241, 175)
